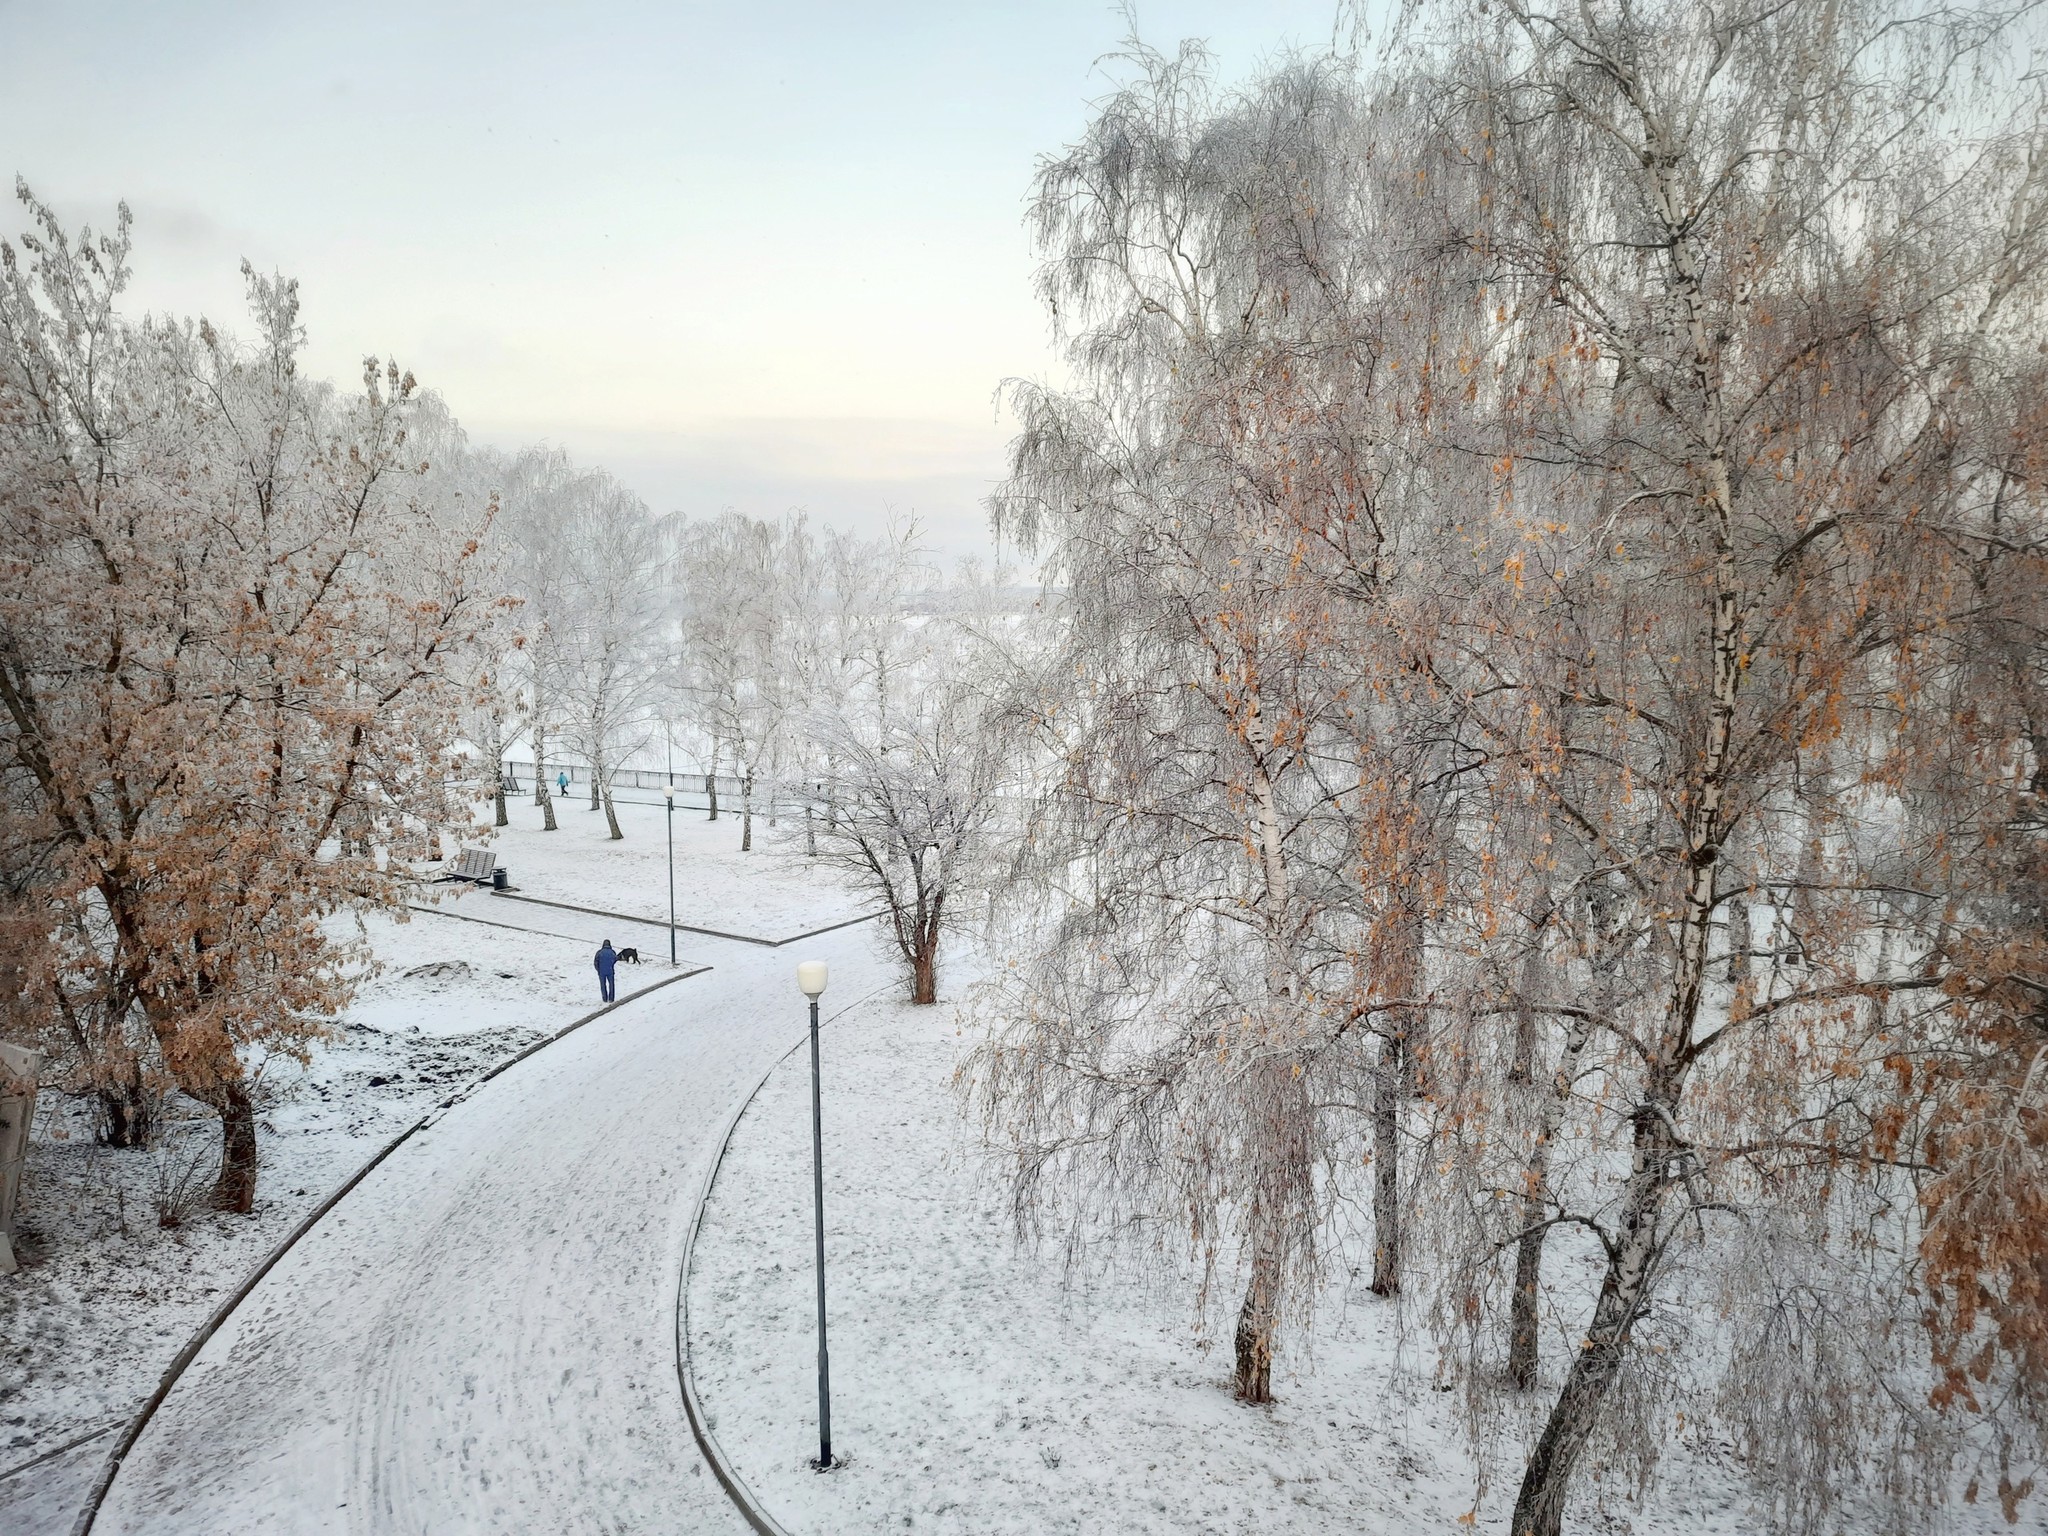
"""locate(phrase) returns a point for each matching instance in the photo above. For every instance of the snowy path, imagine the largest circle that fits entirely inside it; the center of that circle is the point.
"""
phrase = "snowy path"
(480, 1337)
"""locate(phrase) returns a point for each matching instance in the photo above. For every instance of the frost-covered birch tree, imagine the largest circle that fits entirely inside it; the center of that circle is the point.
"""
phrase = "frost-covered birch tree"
(540, 494)
(1230, 881)
(732, 616)
(607, 650)
(1548, 535)
(1748, 272)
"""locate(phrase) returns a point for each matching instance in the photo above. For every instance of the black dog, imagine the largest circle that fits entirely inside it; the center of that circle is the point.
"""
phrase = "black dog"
(630, 956)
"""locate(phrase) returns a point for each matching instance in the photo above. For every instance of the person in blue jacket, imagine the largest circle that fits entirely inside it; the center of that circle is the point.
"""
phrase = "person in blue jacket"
(562, 783)
(607, 964)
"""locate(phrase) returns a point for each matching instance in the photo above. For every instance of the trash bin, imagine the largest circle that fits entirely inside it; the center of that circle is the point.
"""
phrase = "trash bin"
(499, 882)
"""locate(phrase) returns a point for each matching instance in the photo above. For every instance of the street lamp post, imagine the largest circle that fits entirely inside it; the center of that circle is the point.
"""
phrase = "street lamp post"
(668, 793)
(810, 977)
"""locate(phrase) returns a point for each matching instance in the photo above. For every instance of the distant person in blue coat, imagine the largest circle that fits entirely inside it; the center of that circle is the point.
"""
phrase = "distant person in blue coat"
(562, 782)
(607, 964)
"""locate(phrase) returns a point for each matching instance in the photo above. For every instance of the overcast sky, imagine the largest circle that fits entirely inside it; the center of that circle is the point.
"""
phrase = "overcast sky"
(760, 255)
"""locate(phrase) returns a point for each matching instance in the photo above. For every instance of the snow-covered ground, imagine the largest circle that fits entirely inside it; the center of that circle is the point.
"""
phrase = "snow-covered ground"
(772, 892)
(77, 1347)
(977, 1389)
(481, 1335)
(108, 1296)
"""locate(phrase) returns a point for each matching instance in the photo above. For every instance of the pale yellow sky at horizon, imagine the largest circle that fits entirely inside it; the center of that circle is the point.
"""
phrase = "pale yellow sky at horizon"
(766, 257)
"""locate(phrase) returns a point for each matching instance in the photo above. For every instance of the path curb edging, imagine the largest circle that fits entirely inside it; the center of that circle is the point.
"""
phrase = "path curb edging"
(655, 922)
(708, 1447)
(82, 1526)
(722, 1468)
(58, 1450)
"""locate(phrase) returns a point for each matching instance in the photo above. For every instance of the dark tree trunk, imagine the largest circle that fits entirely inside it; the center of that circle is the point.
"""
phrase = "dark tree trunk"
(498, 816)
(611, 816)
(1390, 1082)
(1631, 1267)
(1255, 1322)
(1399, 1076)
(810, 832)
(1522, 1331)
(1522, 1068)
(1539, 1505)
(236, 1188)
(711, 793)
(126, 1115)
(747, 814)
(1523, 1356)
(1523, 1353)
(917, 936)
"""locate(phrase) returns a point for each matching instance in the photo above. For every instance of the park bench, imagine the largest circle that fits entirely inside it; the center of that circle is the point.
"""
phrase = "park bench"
(473, 864)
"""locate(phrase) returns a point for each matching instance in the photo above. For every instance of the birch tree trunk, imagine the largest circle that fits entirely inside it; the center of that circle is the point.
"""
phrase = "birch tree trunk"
(499, 817)
(1256, 1320)
(1539, 1504)
(542, 795)
(601, 783)
(1524, 1354)
(1390, 1082)
(1393, 1082)
(540, 755)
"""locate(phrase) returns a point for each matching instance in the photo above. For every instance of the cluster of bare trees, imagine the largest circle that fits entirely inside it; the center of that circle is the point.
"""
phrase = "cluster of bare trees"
(912, 755)
(236, 607)
(753, 646)
(842, 679)
(779, 621)
(1547, 727)
(845, 686)
(588, 563)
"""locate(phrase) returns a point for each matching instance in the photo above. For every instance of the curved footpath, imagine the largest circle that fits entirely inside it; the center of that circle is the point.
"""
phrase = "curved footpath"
(481, 1335)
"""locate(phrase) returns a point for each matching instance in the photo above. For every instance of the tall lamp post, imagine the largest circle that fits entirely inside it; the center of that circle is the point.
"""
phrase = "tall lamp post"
(668, 793)
(810, 978)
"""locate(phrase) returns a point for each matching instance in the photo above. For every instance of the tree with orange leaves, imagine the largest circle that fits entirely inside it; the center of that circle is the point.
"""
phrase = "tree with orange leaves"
(1749, 276)
(231, 619)
(1550, 537)
(1224, 903)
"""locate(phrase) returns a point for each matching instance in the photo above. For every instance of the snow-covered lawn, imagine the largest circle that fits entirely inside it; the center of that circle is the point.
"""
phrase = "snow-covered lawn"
(772, 892)
(107, 1296)
(977, 1389)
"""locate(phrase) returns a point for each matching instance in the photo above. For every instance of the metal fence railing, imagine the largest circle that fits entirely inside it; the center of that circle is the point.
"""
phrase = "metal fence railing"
(640, 785)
